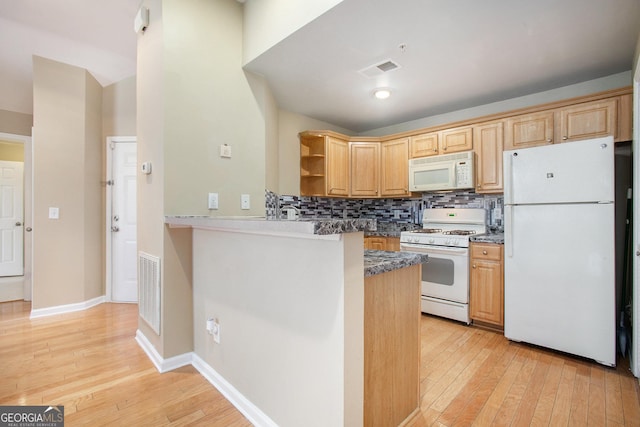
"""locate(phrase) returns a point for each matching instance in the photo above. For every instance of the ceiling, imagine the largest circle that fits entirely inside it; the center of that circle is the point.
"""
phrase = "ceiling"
(457, 53)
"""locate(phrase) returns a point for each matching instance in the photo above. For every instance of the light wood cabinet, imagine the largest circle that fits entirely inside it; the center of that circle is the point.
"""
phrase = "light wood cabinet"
(529, 130)
(337, 165)
(486, 284)
(424, 145)
(488, 146)
(443, 142)
(394, 168)
(456, 139)
(588, 120)
(391, 347)
(364, 167)
(324, 165)
(382, 243)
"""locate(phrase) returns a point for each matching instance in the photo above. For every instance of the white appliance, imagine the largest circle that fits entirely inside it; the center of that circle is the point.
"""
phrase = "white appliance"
(559, 248)
(445, 276)
(445, 172)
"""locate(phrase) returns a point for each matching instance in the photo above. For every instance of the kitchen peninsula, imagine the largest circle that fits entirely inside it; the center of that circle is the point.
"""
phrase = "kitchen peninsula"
(313, 329)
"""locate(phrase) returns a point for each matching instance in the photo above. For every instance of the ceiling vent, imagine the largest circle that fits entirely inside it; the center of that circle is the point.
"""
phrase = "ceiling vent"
(380, 68)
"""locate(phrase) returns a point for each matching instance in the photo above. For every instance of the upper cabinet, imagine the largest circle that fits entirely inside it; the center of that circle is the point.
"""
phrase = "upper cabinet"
(529, 130)
(365, 166)
(337, 165)
(424, 145)
(456, 139)
(583, 120)
(324, 165)
(588, 120)
(488, 144)
(443, 142)
(394, 168)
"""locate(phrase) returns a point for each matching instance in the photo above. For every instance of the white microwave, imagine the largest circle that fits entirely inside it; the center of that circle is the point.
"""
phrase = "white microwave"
(441, 173)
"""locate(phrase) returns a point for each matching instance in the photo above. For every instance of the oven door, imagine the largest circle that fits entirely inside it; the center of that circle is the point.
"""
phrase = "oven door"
(446, 273)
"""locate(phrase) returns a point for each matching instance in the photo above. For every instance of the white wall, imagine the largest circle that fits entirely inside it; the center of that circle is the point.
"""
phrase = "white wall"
(267, 22)
(291, 314)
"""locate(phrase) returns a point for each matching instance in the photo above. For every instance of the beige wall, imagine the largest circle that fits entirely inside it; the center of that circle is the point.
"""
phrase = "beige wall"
(289, 125)
(193, 97)
(15, 123)
(11, 151)
(119, 108)
(67, 128)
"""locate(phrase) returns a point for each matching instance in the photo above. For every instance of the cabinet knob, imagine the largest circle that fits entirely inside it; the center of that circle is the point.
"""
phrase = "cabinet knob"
(473, 266)
(444, 148)
(564, 138)
(435, 149)
(484, 252)
(549, 140)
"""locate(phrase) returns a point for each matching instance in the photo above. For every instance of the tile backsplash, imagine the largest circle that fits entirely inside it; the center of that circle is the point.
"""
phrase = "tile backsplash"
(387, 210)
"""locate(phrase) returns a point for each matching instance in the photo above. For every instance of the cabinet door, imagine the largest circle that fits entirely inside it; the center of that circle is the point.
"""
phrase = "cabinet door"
(528, 130)
(589, 120)
(393, 244)
(337, 167)
(365, 163)
(394, 168)
(485, 293)
(486, 283)
(488, 149)
(456, 139)
(424, 145)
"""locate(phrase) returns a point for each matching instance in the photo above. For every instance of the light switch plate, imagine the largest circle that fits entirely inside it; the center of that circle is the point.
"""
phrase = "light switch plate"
(54, 213)
(212, 201)
(245, 201)
(225, 151)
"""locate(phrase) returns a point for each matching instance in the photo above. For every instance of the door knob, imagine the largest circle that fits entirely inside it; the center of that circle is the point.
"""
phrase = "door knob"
(18, 224)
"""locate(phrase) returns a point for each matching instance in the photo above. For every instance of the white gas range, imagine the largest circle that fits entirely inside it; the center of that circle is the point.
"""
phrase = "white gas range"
(445, 237)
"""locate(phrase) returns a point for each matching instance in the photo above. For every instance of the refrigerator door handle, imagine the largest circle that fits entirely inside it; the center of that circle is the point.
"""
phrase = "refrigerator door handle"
(508, 178)
(508, 216)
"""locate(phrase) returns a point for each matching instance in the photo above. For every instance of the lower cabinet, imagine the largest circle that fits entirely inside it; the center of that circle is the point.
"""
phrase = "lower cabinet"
(486, 284)
(392, 347)
(380, 243)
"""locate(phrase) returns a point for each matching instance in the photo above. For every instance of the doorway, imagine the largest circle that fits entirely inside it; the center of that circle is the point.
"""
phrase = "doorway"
(15, 246)
(121, 228)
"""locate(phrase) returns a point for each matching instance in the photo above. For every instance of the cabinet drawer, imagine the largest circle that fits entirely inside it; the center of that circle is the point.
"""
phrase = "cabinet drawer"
(486, 251)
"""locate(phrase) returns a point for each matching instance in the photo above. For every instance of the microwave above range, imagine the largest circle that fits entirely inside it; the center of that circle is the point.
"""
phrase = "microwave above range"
(442, 173)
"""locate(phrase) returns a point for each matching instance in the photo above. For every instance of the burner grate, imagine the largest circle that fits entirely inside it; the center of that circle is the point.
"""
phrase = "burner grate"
(460, 232)
(428, 230)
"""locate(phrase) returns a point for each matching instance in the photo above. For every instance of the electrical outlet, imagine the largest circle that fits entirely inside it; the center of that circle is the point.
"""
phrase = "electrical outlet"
(213, 328)
(216, 331)
(213, 200)
(245, 201)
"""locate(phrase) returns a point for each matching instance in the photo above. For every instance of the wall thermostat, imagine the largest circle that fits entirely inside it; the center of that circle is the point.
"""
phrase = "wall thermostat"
(145, 168)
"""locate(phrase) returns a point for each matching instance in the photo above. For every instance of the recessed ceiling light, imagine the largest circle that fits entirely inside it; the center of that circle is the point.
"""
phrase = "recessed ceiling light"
(382, 93)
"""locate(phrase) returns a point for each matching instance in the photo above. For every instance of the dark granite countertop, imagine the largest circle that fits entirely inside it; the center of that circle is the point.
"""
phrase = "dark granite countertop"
(311, 226)
(378, 262)
(391, 229)
(488, 238)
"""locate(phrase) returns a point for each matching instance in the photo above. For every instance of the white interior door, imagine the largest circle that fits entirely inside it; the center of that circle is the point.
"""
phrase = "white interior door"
(11, 218)
(122, 223)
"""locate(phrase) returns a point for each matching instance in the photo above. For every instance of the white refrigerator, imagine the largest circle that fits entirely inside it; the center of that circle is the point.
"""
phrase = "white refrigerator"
(559, 261)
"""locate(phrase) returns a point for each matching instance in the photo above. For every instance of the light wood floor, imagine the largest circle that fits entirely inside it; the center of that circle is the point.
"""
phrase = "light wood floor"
(90, 363)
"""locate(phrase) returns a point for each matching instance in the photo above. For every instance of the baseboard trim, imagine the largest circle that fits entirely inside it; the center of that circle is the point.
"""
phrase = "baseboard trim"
(68, 308)
(161, 364)
(237, 399)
